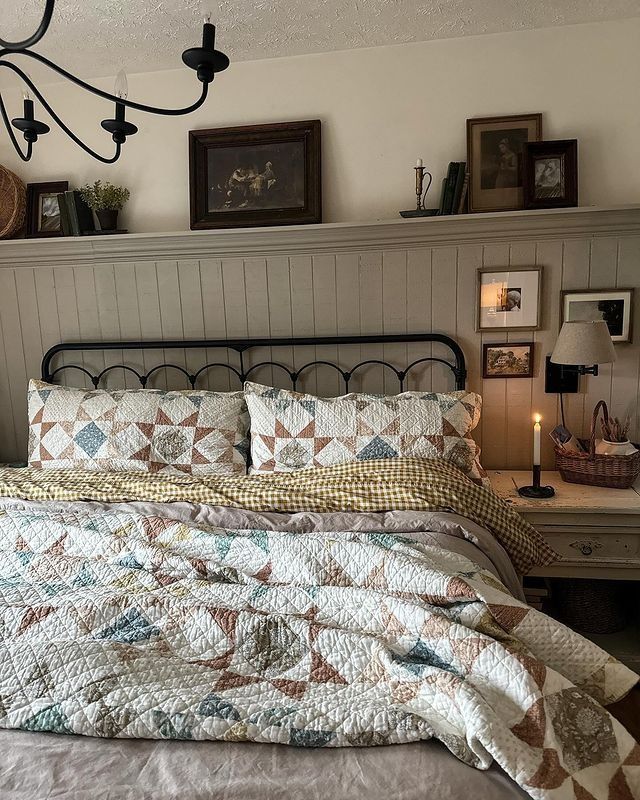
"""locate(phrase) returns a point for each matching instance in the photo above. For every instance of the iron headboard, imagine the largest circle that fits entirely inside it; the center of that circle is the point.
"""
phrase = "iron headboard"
(242, 346)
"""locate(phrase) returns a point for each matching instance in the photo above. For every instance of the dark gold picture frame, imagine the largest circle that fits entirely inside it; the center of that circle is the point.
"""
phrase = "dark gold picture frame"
(495, 160)
(512, 355)
(256, 175)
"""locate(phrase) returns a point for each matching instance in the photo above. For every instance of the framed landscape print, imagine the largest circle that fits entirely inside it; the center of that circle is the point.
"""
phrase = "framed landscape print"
(255, 175)
(43, 209)
(551, 174)
(495, 160)
(614, 306)
(507, 360)
(509, 299)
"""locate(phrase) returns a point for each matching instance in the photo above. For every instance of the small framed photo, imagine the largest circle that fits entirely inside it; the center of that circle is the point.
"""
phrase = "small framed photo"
(255, 175)
(494, 155)
(507, 360)
(509, 299)
(43, 209)
(614, 306)
(551, 174)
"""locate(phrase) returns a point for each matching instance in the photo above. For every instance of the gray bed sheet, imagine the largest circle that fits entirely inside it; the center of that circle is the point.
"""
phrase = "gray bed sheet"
(39, 766)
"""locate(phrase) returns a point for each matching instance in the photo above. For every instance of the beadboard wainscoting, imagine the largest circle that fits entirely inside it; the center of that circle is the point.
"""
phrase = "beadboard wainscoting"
(324, 280)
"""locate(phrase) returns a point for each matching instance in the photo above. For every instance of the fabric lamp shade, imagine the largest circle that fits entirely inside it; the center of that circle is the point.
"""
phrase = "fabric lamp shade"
(584, 344)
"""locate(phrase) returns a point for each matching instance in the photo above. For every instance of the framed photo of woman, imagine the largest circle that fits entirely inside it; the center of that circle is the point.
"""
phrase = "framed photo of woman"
(551, 174)
(495, 158)
(509, 298)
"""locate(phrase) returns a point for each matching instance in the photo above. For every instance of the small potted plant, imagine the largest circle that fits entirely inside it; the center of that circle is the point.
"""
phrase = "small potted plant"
(106, 200)
(615, 438)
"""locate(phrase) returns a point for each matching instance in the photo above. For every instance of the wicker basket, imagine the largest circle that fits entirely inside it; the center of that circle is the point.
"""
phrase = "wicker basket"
(13, 203)
(591, 606)
(592, 469)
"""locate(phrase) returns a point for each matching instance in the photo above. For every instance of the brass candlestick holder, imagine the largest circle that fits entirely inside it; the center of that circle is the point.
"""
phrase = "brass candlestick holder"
(421, 194)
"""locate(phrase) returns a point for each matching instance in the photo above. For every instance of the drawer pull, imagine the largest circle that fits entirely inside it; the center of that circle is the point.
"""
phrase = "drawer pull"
(586, 547)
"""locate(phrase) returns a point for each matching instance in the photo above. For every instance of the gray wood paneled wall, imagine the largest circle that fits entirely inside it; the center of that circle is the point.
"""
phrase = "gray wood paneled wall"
(388, 286)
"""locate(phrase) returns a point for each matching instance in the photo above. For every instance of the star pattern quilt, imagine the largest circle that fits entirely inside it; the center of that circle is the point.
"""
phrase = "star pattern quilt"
(119, 624)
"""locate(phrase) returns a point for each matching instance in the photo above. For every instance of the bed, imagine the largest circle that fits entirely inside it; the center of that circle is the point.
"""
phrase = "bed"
(165, 635)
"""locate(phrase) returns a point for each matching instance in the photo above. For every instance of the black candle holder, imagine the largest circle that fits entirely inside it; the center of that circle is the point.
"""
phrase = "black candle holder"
(536, 492)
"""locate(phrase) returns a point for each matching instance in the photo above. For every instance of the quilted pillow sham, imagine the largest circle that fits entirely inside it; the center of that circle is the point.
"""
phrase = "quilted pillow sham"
(137, 430)
(291, 431)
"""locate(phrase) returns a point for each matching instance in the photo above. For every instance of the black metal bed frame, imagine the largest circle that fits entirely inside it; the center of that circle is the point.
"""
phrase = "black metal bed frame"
(241, 346)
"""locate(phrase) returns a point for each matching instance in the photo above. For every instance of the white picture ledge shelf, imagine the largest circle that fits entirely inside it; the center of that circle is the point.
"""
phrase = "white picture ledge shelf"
(511, 226)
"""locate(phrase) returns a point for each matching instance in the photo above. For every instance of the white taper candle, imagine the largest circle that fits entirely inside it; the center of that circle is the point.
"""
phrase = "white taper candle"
(536, 440)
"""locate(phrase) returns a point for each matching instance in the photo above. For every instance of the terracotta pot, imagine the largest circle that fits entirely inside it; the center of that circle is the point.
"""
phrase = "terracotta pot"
(108, 219)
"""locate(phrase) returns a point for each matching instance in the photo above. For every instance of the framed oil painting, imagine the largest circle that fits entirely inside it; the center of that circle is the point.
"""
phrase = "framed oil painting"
(507, 360)
(43, 209)
(495, 160)
(255, 175)
(551, 174)
(509, 299)
(614, 306)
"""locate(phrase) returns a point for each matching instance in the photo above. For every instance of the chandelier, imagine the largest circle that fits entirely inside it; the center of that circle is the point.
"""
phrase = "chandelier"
(205, 60)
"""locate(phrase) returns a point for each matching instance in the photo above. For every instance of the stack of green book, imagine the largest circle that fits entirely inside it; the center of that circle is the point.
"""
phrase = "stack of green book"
(76, 218)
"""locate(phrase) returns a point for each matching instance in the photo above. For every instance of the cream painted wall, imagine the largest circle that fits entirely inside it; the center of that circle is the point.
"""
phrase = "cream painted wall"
(380, 109)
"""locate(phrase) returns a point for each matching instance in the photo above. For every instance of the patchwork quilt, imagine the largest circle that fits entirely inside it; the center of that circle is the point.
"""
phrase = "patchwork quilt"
(120, 624)
(411, 484)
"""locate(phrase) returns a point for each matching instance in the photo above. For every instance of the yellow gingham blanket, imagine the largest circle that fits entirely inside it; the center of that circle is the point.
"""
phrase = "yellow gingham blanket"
(366, 486)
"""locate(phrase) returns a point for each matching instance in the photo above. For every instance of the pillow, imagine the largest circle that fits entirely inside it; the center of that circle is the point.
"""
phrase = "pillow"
(291, 431)
(137, 430)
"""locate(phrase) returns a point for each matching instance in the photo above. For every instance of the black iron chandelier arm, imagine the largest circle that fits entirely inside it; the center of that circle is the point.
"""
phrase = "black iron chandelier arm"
(169, 112)
(35, 38)
(16, 145)
(55, 117)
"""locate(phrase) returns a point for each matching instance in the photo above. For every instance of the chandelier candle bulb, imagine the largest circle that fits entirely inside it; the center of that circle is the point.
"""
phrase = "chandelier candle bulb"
(121, 86)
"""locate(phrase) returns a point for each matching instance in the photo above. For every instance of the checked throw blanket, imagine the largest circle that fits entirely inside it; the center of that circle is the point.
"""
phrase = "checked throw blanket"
(117, 624)
(380, 485)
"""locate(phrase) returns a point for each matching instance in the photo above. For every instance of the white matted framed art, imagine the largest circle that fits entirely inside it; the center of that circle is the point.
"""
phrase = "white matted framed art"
(509, 299)
(614, 306)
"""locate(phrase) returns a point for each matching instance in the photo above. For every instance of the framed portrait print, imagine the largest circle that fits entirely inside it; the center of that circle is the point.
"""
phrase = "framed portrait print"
(614, 306)
(494, 156)
(551, 174)
(255, 175)
(507, 360)
(43, 209)
(509, 299)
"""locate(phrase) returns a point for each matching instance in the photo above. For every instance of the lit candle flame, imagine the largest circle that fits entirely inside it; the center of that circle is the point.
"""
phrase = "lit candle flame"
(537, 419)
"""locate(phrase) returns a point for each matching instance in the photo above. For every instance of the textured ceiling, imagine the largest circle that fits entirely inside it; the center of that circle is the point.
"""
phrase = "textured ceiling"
(99, 37)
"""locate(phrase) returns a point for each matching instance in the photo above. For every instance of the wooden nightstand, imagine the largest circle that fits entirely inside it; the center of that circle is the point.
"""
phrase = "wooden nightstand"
(597, 534)
(595, 531)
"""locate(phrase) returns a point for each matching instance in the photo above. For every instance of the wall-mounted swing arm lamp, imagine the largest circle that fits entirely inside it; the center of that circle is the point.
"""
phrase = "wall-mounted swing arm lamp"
(206, 61)
(582, 346)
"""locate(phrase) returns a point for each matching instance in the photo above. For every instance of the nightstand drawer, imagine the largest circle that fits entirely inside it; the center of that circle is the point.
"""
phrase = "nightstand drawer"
(586, 544)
